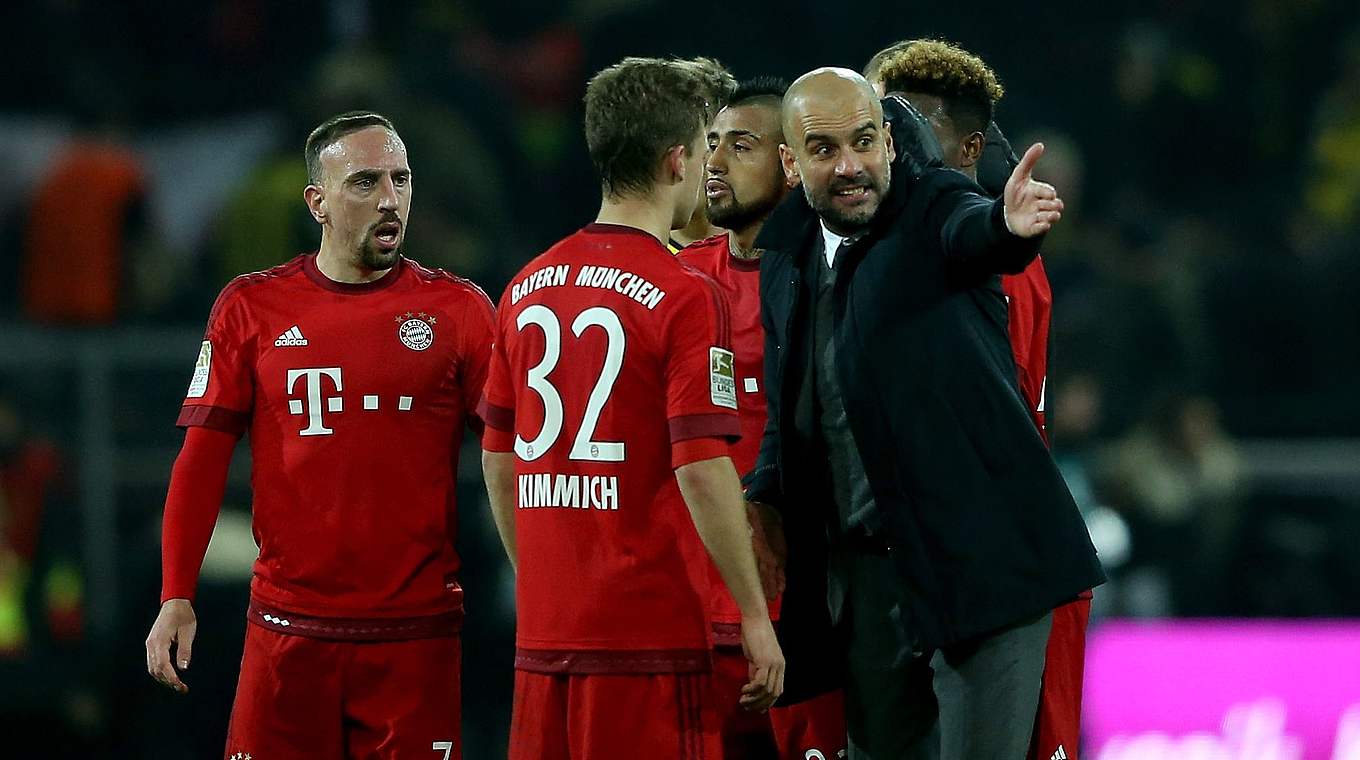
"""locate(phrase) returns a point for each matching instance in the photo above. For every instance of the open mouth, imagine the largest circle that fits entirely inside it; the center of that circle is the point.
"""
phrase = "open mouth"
(387, 235)
(852, 193)
(716, 187)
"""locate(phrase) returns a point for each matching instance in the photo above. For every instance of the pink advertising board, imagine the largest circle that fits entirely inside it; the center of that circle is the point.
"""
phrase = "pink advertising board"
(1222, 690)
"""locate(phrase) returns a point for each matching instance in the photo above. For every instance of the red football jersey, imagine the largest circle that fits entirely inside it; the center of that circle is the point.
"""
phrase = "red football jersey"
(739, 280)
(1029, 302)
(355, 397)
(611, 368)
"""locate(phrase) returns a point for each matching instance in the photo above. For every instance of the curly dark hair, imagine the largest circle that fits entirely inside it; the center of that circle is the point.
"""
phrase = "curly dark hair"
(967, 85)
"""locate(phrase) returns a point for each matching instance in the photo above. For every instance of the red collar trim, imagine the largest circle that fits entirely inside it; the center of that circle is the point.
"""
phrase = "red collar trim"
(603, 228)
(350, 288)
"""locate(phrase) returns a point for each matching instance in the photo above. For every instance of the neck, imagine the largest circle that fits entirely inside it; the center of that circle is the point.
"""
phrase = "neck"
(344, 266)
(640, 213)
(743, 241)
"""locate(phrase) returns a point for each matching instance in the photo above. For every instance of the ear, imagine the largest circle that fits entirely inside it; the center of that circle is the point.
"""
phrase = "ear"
(887, 140)
(970, 150)
(315, 199)
(790, 164)
(674, 164)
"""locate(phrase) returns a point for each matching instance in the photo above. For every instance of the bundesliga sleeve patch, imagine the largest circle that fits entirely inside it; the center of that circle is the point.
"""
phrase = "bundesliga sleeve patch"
(199, 385)
(722, 375)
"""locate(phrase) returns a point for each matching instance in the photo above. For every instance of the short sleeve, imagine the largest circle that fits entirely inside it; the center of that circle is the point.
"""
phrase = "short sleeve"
(222, 390)
(497, 407)
(701, 385)
(476, 334)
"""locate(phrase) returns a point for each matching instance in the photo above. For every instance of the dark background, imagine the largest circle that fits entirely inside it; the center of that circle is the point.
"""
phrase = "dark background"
(1201, 391)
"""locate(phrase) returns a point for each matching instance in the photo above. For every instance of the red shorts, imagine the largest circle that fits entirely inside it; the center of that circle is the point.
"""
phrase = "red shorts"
(746, 735)
(300, 698)
(813, 729)
(1058, 725)
(568, 716)
(810, 730)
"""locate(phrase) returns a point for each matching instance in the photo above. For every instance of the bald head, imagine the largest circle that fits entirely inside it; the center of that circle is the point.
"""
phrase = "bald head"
(836, 142)
(828, 90)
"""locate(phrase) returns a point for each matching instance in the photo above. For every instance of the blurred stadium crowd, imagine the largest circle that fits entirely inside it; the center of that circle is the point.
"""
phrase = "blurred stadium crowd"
(1202, 393)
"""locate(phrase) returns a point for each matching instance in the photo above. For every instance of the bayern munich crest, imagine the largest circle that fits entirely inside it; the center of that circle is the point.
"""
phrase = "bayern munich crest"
(416, 330)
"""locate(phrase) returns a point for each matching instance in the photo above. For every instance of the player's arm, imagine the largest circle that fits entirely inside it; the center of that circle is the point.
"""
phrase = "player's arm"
(497, 411)
(498, 468)
(701, 406)
(477, 335)
(197, 483)
(216, 413)
(713, 494)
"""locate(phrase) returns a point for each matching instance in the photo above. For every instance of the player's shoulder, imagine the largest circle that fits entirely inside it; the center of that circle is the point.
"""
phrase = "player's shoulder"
(705, 253)
(455, 285)
(696, 278)
(244, 287)
(563, 251)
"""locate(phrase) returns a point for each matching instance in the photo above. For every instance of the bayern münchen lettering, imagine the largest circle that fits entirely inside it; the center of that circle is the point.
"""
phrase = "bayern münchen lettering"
(621, 281)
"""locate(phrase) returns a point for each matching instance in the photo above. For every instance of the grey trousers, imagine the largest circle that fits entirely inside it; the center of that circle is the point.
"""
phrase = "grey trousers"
(971, 701)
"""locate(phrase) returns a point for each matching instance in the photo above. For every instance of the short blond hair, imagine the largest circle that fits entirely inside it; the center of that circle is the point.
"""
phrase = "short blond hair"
(638, 109)
(717, 78)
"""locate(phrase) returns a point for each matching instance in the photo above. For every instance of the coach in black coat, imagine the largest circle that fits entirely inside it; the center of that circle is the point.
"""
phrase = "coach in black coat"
(927, 465)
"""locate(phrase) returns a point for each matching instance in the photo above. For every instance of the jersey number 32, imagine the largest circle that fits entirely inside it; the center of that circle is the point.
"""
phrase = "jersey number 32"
(583, 448)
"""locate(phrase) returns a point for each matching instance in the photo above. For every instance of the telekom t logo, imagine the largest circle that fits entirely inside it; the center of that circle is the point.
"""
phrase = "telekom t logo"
(334, 404)
(311, 402)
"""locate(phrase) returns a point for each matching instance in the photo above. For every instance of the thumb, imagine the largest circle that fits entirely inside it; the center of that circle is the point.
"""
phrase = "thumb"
(184, 648)
(756, 673)
(1025, 168)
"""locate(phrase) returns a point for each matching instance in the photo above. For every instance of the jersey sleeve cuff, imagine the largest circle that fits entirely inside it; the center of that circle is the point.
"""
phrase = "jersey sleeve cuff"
(726, 426)
(185, 592)
(497, 440)
(697, 450)
(496, 417)
(213, 418)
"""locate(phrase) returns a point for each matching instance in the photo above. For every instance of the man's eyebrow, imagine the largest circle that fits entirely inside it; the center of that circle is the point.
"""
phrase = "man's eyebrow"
(868, 125)
(743, 133)
(373, 173)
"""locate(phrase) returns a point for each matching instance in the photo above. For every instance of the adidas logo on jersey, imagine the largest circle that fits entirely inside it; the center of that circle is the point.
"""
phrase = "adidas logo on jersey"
(1061, 754)
(291, 337)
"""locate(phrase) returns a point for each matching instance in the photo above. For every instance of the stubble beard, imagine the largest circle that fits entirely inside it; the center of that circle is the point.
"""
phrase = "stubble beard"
(856, 220)
(735, 215)
(374, 259)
